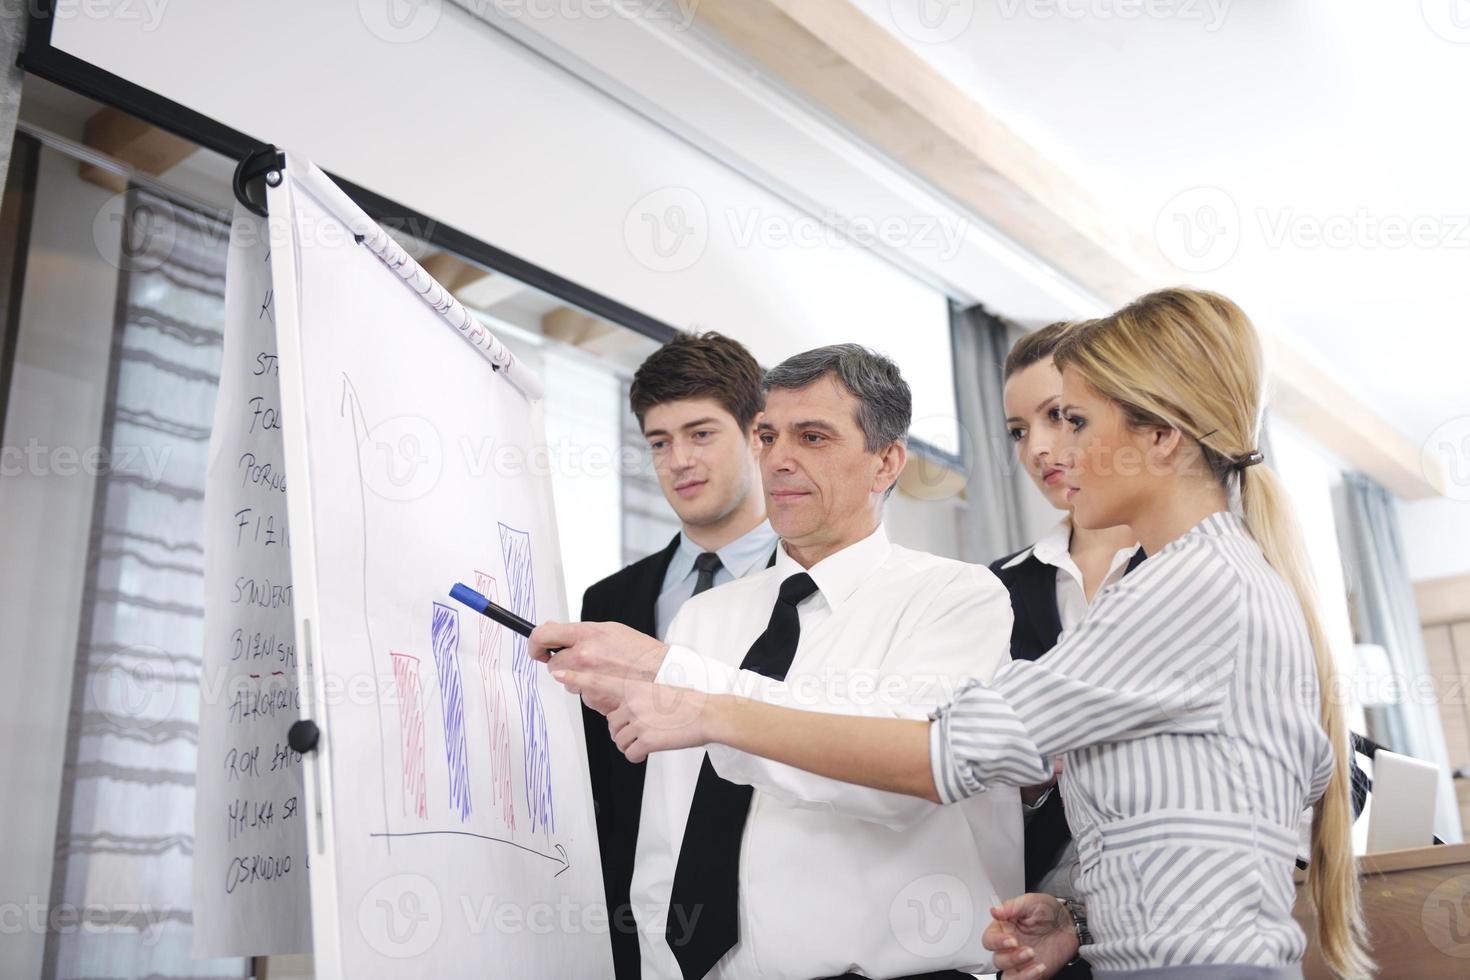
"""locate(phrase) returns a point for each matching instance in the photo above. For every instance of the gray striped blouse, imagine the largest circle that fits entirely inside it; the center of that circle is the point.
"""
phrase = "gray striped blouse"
(1185, 708)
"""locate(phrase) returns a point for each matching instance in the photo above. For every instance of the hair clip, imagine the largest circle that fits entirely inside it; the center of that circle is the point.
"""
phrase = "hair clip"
(1250, 459)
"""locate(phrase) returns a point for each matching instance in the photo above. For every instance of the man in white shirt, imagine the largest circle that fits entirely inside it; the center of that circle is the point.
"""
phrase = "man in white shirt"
(747, 868)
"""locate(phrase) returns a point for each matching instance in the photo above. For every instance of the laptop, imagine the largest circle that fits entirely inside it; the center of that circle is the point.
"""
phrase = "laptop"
(1401, 814)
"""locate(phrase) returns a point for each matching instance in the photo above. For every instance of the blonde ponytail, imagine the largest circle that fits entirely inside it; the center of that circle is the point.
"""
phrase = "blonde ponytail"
(1332, 875)
(1191, 360)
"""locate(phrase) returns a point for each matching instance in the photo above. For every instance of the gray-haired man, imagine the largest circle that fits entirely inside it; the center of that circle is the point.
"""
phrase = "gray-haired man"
(749, 868)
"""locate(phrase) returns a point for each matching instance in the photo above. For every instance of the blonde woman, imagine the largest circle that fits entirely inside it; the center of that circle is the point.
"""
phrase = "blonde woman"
(1052, 583)
(1190, 707)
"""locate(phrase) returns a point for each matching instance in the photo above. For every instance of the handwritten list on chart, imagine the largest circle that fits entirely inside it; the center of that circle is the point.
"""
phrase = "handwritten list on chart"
(250, 852)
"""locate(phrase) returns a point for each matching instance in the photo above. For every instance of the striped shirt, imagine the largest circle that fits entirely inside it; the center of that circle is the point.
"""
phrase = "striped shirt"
(1185, 708)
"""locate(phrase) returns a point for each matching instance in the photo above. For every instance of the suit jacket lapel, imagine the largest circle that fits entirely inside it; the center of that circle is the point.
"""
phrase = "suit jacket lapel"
(643, 602)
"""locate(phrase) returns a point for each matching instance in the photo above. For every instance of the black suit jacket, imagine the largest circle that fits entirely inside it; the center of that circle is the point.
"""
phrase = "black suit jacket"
(629, 597)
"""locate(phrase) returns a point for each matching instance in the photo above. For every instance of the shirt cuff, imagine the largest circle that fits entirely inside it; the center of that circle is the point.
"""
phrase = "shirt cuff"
(978, 739)
(682, 667)
(953, 780)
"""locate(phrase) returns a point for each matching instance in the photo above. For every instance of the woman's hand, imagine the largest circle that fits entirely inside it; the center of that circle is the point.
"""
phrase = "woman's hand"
(1032, 937)
(644, 717)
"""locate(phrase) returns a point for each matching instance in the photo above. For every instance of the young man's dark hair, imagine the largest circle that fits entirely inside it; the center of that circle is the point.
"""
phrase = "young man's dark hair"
(700, 365)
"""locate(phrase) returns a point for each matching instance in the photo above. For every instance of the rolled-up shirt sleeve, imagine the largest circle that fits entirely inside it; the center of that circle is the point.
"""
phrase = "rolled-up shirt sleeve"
(962, 631)
(1156, 654)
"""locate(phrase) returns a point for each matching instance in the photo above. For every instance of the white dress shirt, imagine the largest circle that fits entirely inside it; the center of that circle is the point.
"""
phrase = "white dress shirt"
(1055, 548)
(745, 554)
(834, 877)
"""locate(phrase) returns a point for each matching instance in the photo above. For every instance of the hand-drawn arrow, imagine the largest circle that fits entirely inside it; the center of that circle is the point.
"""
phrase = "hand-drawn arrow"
(560, 857)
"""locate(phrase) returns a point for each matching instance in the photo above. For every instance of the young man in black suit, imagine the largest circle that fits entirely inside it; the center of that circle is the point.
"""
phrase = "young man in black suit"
(697, 400)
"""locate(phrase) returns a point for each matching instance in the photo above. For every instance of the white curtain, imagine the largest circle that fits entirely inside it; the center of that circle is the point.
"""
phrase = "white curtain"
(124, 849)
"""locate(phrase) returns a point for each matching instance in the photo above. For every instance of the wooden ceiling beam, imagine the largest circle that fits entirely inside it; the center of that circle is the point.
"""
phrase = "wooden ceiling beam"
(850, 66)
(140, 145)
(453, 272)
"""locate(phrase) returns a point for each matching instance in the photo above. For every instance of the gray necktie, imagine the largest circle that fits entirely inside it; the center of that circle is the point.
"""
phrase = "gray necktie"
(707, 564)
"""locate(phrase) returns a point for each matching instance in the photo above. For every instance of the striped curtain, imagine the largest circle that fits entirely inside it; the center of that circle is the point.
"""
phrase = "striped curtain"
(122, 885)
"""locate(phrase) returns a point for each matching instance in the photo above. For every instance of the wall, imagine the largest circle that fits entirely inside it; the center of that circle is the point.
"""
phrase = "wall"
(924, 525)
(545, 166)
(55, 415)
(1436, 536)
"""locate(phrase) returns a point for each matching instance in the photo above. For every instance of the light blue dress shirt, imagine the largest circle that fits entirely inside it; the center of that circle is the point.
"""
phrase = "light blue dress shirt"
(745, 554)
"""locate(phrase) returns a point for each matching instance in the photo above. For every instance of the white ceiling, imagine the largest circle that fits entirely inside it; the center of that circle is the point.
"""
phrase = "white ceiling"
(1269, 120)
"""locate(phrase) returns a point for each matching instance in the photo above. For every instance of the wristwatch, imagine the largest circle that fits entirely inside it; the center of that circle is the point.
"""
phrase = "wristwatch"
(1078, 912)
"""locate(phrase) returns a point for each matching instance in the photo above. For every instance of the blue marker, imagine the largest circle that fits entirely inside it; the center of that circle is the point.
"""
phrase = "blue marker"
(485, 607)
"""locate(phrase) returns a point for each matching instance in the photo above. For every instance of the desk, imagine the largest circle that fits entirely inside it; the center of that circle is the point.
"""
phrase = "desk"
(1417, 904)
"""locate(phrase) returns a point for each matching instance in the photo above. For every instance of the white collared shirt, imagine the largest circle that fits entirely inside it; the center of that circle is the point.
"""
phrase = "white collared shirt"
(1055, 548)
(836, 878)
(743, 555)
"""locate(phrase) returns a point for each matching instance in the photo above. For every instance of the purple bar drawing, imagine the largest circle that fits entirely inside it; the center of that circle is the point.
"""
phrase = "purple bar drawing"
(515, 549)
(445, 636)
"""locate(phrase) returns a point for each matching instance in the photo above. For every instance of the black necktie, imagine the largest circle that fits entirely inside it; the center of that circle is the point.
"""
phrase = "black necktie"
(707, 563)
(702, 922)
